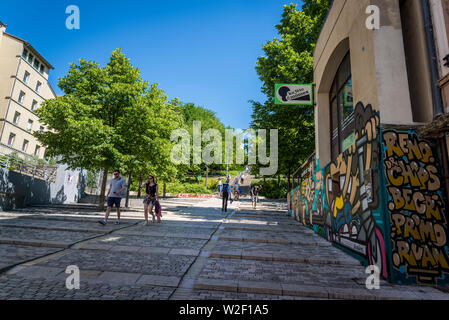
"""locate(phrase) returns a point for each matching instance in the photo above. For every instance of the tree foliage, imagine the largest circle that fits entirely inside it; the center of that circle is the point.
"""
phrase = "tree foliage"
(289, 59)
(108, 119)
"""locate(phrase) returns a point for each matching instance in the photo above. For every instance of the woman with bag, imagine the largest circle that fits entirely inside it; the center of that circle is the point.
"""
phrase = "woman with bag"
(152, 195)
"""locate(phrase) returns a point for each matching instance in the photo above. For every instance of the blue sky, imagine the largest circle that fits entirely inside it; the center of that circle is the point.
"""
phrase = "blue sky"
(199, 51)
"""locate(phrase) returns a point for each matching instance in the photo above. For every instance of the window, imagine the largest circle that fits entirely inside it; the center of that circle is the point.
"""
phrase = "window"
(26, 77)
(37, 150)
(42, 70)
(11, 139)
(29, 125)
(21, 97)
(25, 54)
(342, 109)
(38, 87)
(30, 58)
(25, 145)
(16, 118)
(34, 105)
(36, 64)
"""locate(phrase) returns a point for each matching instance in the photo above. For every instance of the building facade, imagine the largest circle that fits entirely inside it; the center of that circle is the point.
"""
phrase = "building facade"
(377, 185)
(24, 86)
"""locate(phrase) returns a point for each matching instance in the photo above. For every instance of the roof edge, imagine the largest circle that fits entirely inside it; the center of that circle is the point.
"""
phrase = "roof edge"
(29, 46)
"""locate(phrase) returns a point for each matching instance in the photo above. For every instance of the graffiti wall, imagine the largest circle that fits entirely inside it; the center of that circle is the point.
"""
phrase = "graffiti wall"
(381, 200)
(341, 200)
(416, 209)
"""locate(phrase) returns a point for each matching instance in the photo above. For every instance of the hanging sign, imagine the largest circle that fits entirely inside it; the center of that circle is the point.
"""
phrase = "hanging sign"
(294, 94)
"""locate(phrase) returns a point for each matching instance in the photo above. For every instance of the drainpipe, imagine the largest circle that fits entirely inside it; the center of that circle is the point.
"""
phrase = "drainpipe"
(436, 92)
(438, 100)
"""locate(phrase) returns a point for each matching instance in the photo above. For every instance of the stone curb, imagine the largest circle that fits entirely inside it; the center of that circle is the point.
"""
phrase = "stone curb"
(34, 243)
(97, 231)
(241, 255)
(275, 241)
(243, 215)
(142, 250)
(268, 230)
(298, 290)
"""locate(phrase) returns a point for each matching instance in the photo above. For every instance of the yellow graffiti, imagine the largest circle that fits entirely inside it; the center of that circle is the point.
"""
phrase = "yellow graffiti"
(339, 203)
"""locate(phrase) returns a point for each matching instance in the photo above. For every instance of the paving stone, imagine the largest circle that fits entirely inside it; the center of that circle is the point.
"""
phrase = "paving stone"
(260, 287)
(269, 255)
(215, 284)
(159, 281)
(309, 291)
(150, 250)
(117, 278)
(185, 252)
(125, 248)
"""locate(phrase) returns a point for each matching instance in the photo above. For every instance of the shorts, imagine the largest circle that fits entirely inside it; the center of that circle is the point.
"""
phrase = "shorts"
(254, 198)
(114, 201)
(147, 201)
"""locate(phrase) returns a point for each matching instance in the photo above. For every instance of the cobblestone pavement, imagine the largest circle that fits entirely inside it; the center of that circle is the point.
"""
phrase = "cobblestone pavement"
(196, 253)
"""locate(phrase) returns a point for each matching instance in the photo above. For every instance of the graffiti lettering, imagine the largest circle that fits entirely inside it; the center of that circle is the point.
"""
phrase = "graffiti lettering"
(417, 211)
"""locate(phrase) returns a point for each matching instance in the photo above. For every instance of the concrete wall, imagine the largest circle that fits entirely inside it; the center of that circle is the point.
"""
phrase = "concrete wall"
(378, 63)
(19, 190)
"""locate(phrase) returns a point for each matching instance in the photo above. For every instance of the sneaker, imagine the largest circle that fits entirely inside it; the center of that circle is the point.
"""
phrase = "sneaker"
(117, 222)
(103, 222)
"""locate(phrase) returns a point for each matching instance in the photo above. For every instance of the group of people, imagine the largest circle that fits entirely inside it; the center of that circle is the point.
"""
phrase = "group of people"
(225, 191)
(150, 202)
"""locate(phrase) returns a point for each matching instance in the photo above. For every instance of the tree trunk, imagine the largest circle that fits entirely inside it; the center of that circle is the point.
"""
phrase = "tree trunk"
(165, 189)
(103, 190)
(139, 192)
(128, 189)
(279, 180)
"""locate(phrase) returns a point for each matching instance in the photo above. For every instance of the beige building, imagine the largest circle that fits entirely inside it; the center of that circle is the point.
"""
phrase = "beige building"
(24, 86)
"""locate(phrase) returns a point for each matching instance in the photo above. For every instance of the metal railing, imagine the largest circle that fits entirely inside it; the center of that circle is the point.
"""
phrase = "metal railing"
(44, 172)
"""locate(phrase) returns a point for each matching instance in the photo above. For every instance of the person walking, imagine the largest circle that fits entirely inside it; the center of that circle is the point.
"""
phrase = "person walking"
(220, 186)
(226, 192)
(152, 195)
(236, 189)
(255, 195)
(114, 196)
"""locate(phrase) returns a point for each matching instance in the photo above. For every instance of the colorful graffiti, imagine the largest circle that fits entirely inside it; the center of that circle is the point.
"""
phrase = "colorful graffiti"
(416, 208)
(352, 193)
(341, 201)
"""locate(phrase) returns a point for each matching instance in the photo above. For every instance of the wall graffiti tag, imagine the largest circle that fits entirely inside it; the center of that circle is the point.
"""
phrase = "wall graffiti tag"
(352, 193)
(416, 208)
(339, 200)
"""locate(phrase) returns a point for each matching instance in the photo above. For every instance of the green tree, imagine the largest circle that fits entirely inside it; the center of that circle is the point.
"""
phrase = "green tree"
(96, 123)
(209, 120)
(290, 60)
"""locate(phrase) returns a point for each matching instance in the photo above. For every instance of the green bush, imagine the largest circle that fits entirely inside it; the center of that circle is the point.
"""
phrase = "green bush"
(270, 189)
(191, 188)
